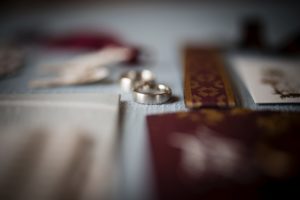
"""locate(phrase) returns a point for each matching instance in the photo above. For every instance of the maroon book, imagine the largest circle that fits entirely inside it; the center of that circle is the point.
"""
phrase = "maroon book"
(225, 154)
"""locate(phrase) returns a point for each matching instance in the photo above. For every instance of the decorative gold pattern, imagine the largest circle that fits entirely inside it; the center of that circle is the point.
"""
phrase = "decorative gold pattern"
(206, 83)
(221, 100)
(237, 111)
(207, 91)
(212, 116)
(273, 125)
(208, 115)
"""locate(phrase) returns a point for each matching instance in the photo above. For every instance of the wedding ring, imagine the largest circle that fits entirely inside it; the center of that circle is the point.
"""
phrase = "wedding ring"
(151, 93)
(130, 79)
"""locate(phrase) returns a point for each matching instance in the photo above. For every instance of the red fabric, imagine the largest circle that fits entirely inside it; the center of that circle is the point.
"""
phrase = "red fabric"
(83, 41)
(90, 41)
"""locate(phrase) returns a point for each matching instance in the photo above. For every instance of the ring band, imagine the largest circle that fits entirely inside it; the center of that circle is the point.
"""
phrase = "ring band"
(130, 79)
(151, 93)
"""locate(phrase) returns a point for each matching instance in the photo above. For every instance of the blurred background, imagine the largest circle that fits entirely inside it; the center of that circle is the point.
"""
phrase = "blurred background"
(155, 24)
(160, 28)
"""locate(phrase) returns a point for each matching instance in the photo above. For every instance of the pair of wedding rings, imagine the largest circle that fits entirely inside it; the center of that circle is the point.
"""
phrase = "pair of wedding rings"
(144, 88)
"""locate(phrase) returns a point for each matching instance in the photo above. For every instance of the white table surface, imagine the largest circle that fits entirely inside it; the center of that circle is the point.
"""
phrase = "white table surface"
(162, 29)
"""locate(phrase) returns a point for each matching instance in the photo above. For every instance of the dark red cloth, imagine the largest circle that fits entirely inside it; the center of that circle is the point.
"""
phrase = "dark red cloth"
(255, 137)
(90, 41)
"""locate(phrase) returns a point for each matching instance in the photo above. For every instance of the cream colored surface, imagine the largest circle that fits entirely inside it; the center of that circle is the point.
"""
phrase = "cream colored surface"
(80, 137)
(252, 72)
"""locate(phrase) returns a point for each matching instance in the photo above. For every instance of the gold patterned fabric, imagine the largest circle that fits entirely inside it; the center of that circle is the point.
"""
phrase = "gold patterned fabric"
(206, 83)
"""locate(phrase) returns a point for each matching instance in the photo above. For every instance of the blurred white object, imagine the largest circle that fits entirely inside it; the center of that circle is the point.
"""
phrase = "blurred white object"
(204, 152)
(84, 69)
(58, 146)
(270, 81)
(72, 78)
